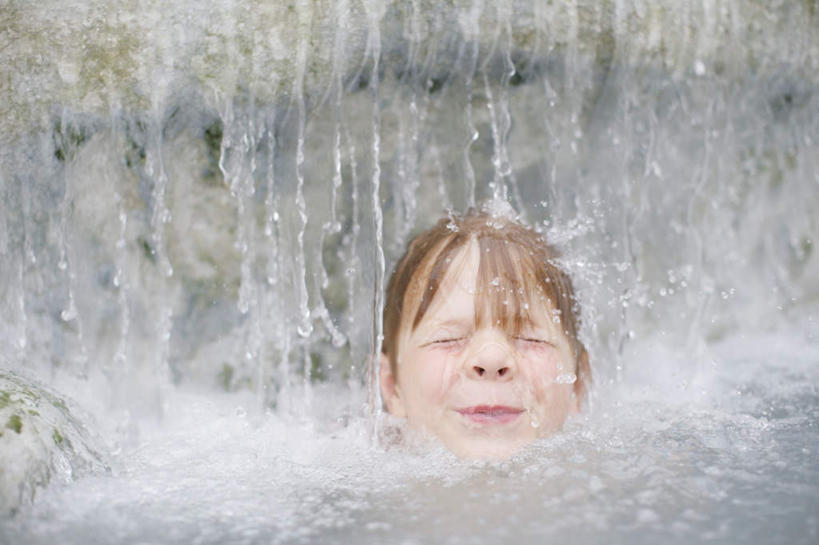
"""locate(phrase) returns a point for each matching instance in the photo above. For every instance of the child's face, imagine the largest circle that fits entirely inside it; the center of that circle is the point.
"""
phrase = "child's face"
(483, 393)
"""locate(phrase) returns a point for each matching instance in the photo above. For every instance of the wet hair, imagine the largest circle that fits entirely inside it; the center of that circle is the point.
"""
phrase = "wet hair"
(516, 265)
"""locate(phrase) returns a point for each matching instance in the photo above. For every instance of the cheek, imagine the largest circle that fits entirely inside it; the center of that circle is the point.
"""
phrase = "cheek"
(425, 375)
(543, 369)
(542, 364)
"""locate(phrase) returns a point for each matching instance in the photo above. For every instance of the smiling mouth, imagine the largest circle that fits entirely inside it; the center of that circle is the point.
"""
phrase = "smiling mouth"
(491, 414)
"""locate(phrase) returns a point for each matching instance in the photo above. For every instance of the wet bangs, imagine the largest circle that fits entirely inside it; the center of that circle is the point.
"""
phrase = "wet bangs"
(512, 283)
(437, 268)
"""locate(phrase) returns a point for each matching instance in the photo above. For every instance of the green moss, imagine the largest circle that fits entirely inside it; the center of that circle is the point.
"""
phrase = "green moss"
(434, 85)
(30, 395)
(134, 149)
(67, 140)
(15, 423)
(225, 376)
(5, 399)
(60, 404)
(148, 250)
(58, 438)
(805, 248)
(316, 371)
(32, 412)
(213, 141)
(516, 79)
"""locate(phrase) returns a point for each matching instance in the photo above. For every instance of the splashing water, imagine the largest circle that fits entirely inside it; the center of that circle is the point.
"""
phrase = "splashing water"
(201, 203)
(566, 378)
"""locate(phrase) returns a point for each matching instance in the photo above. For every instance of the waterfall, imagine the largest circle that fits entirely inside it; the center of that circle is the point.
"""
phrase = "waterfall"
(201, 204)
(214, 194)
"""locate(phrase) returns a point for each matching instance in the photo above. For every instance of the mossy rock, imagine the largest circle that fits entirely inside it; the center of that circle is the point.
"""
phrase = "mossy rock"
(41, 440)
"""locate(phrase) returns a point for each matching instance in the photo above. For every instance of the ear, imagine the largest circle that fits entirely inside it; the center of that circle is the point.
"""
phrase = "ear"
(390, 391)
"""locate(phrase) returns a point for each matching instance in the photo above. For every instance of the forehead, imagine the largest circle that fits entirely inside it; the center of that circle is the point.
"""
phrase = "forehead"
(456, 294)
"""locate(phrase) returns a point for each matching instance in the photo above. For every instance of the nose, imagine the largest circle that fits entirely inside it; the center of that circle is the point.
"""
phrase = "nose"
(492, 360)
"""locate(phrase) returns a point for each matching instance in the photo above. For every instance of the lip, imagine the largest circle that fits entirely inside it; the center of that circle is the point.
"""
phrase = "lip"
(491, 414)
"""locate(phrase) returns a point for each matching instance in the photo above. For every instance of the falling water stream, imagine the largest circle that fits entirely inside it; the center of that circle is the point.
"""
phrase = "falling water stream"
(200, 203)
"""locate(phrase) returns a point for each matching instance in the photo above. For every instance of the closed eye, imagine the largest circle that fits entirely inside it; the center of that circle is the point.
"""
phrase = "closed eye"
(534, 341)
(449, 342)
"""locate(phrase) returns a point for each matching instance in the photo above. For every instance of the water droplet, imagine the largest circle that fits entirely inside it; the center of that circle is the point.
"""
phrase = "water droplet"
(566, 378)
(338, 340)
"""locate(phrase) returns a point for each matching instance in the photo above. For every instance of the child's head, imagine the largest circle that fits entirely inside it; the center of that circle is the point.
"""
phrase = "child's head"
(481, 343)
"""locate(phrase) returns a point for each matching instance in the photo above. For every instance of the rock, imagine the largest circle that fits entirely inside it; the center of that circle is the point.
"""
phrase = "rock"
(41, 440)
(91, 61)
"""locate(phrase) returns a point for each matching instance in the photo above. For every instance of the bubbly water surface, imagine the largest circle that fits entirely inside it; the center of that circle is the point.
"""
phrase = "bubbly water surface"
(723, 454)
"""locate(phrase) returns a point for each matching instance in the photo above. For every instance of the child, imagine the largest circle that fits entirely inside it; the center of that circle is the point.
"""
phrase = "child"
(481, 343)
